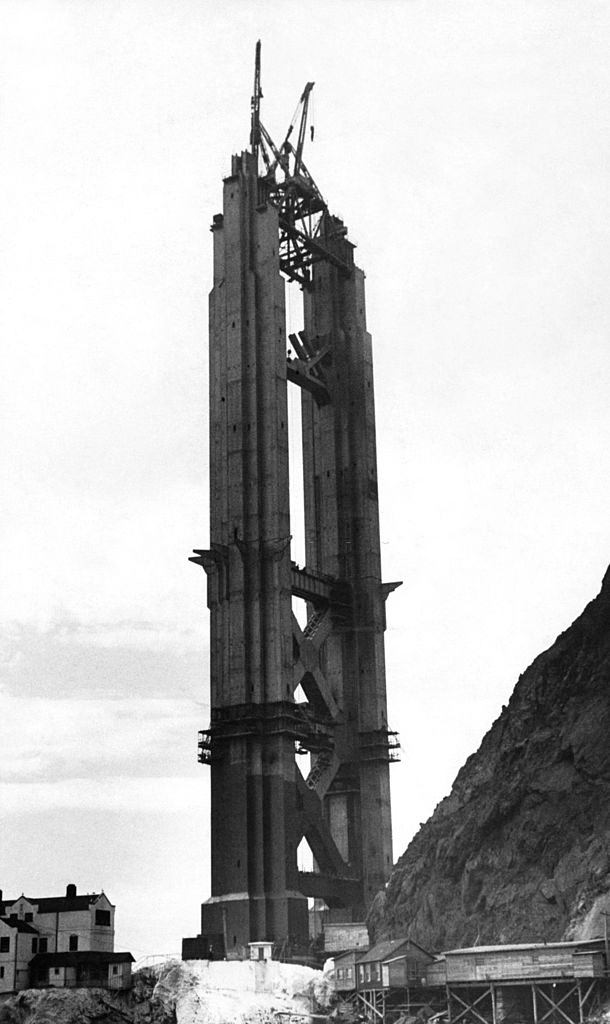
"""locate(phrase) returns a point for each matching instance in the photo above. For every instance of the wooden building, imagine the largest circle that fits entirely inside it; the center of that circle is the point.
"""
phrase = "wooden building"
(83, 969)
(345, 972)
(339, 937)
(389, 974)
(436, 973)
(532, 983)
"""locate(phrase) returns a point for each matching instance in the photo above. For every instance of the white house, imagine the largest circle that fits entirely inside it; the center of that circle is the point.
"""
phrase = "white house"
(37, 933)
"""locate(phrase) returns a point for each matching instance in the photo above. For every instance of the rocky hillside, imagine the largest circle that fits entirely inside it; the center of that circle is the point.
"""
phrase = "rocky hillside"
(520, 849)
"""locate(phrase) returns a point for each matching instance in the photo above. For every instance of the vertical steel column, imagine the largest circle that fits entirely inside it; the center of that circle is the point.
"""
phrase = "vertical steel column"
(342, 540)
(254, 814)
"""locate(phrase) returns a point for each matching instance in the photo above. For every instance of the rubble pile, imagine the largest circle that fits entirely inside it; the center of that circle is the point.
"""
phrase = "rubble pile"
(177, 992)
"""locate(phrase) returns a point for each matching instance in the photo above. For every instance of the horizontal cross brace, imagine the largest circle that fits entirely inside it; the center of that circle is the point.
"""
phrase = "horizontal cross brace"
(317, 587)
(330, 888)
(297, 373)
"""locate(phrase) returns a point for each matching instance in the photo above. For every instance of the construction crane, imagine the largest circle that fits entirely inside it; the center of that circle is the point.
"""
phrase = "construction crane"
(305, 223)
(287, 147)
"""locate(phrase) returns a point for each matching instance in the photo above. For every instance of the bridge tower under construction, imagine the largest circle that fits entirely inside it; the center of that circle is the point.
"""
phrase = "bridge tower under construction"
(281, 688)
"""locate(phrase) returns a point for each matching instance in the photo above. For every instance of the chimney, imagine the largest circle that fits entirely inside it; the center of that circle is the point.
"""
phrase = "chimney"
(0, 895)
(70, 891)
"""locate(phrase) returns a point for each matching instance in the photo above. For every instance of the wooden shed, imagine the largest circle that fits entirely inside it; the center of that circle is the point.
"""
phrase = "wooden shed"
(407, 959)
(345, 971)
(526, 961)
(406, 970)
(531, 983)
(436, 973)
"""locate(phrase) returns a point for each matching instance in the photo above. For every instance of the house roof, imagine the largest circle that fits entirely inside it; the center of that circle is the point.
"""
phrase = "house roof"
(21, 926)
(582, 944)
(382, 950)
(348, 953)
(401, 956)
(388, 949)
(55, 904)
(82, 956)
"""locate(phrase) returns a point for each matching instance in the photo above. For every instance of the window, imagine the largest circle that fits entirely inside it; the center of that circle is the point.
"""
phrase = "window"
(34, 945)
(73, 943)
(115, 969)
(102, 917)
(29, 917)
(5, 944)
(1, 972)
(42, 945)
(56, 970)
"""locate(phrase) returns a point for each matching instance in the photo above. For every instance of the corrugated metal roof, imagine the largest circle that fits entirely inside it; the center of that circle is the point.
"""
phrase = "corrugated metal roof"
(582, 944)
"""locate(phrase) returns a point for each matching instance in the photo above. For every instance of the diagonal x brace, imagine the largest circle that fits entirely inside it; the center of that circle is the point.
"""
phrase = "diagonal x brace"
(317, 833)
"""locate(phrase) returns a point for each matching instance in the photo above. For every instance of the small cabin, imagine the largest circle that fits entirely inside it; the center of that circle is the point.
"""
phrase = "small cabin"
(345, 971)
(397, 963)
(404, 971)
(261, 950)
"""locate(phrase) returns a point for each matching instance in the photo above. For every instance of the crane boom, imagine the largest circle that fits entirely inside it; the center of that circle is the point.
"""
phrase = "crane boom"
(255, 103)
(298, 153)
(288, 185)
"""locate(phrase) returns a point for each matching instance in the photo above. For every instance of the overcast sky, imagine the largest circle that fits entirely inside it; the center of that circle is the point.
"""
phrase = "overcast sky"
(466, 144)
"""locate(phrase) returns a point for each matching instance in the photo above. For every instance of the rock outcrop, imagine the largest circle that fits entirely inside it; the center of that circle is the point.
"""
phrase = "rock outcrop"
(520, 849)
(177, 992)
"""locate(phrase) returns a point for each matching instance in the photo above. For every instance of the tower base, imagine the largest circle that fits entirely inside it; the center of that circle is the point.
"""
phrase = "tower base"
(229, 923)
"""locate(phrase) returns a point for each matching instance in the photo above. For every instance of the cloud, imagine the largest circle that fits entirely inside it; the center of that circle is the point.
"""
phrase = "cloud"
(151, 636)
(103, 659)
(67, 739)
(154, 795)
(121, 554)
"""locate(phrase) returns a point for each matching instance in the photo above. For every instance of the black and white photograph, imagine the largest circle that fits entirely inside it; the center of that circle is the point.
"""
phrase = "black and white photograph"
(305, 511)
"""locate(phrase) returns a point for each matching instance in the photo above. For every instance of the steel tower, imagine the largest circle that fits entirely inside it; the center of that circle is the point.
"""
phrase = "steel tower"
(275, 226)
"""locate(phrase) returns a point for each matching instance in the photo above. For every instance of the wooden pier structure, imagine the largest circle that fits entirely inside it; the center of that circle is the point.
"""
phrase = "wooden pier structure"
(525, 983)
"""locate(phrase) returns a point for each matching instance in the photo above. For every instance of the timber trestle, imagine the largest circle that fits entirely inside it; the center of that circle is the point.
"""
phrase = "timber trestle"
(560, 1001)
